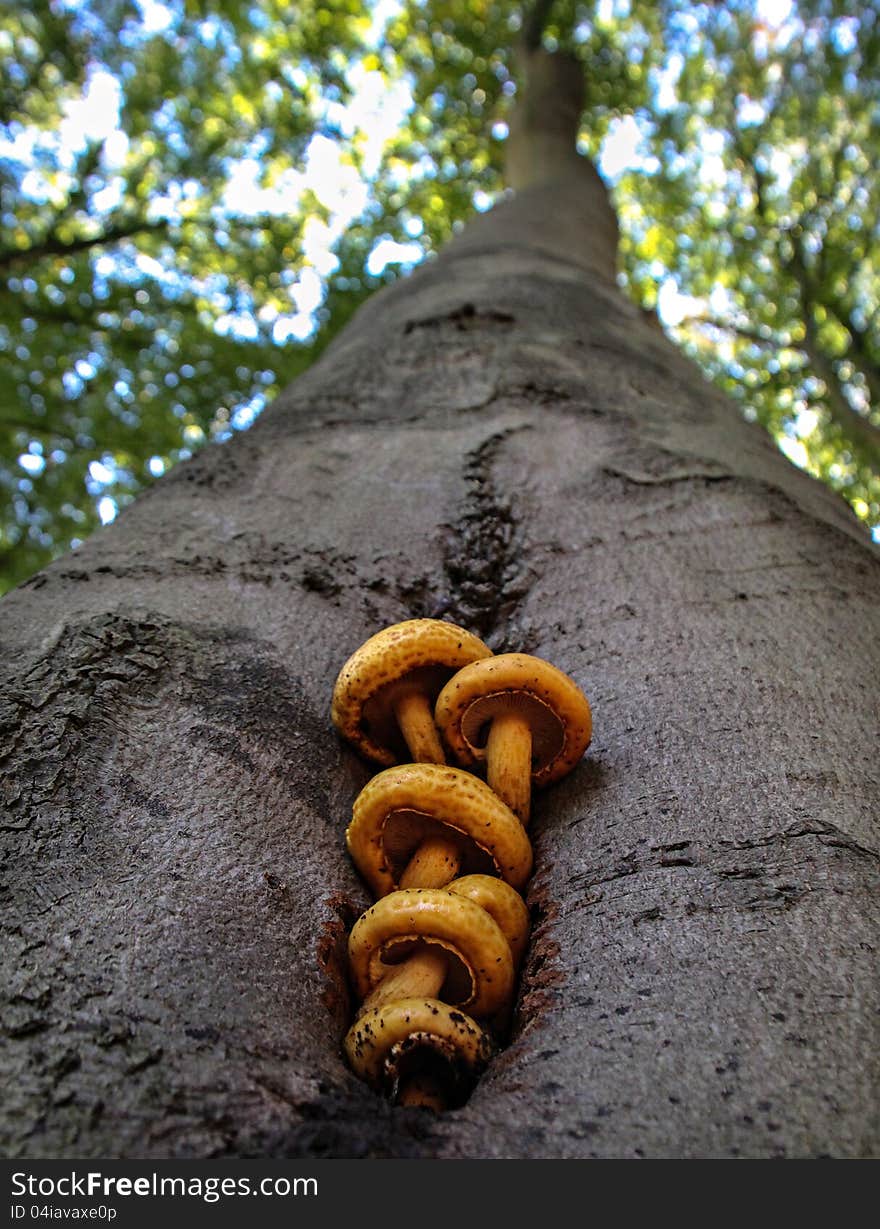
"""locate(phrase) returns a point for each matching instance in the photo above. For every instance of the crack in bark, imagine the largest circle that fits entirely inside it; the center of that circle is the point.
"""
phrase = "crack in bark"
(837, 839)
(465, 317)
(250, 559)
(653, 466)
(341, 1121)
(771, 505)
(542, 974)
(481, 551)
(776, 893)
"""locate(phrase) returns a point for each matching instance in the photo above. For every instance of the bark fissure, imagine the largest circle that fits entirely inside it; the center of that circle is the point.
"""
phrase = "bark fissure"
(692, 473)
(462, 318)
(789, 853)
(482, 551)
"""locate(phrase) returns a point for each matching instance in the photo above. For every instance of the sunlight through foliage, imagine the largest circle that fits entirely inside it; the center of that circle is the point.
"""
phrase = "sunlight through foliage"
(197, 195)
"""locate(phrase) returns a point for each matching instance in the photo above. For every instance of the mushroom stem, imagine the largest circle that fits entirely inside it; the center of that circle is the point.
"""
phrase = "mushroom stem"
(419, 977)
(509, 762)
(423, 1089)
(435, 863)
(415, 717)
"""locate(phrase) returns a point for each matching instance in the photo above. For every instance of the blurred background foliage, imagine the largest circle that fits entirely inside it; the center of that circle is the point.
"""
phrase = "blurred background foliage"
(195, 195)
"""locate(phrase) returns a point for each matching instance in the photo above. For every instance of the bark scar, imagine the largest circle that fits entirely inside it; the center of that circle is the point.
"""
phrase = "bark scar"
(482, 550)
(465, 317)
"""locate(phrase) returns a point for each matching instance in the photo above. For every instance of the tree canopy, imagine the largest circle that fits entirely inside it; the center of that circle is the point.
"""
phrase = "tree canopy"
(197, 194)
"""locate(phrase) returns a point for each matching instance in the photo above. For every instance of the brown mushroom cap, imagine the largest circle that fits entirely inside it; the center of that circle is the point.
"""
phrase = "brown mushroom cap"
(418, 653)
(503, 904)
(480, 974)
(401, 807)
(378, 1044)
(555, 708)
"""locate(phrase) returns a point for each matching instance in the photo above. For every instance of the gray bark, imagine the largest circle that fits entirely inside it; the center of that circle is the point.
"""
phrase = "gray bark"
(504, 441)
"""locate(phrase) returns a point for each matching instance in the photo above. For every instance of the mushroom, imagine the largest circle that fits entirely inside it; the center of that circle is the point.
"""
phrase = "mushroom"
(501, 903)
(384, 698)
(384, 695)
(416, 826)
(528, 720)
(420, 941)
(421, 1050)
(509, 911)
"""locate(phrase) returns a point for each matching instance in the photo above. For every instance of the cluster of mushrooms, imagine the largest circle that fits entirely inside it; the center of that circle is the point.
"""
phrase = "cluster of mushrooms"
(434, 961)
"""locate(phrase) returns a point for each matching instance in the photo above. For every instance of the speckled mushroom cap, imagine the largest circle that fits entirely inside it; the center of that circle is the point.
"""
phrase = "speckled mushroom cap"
(503, 904)
(424, 652)
(555, 707)
(480, 975)
(401, 807)
(377, 1045)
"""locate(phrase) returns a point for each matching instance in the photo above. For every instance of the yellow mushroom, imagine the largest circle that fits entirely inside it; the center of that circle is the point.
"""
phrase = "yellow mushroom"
(384, 695)
(419, 1050)
(526, 719)
(509, 911)
(417, 825)
(501, 903)
(428, 942)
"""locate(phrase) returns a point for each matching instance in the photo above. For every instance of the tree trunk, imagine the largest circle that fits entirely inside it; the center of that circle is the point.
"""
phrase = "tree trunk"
(503, 441)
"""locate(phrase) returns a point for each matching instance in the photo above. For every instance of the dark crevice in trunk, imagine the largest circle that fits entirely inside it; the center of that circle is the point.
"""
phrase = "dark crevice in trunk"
(462, 318)
(482, 552)
(542, 974)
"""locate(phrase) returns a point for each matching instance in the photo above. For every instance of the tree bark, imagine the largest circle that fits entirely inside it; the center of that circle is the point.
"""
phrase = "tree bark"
(503, 441)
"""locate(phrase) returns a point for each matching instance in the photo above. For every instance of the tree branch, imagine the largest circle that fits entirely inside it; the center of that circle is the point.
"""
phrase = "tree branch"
(858, 352)
(741, 330)
(54, 246)
(860, 431)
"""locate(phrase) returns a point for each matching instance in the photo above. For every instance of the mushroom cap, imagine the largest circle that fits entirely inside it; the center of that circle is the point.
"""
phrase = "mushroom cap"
(381, 1040)
(421, 653)
(401, 807)
(480, 975)
(556, 709)
(503, 904)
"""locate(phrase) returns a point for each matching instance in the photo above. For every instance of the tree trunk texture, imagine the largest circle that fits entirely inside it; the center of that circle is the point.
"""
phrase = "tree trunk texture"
(503, 441)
